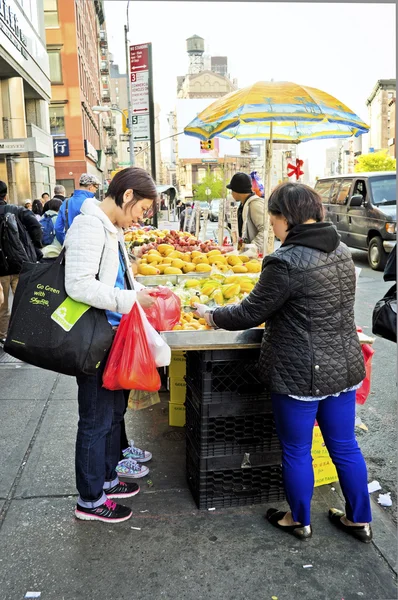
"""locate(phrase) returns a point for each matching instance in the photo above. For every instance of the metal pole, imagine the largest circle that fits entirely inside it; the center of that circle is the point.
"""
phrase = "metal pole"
(268, 233)
(129, 107)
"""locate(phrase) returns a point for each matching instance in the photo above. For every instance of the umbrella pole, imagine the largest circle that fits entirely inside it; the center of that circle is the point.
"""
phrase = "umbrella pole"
(268, 231)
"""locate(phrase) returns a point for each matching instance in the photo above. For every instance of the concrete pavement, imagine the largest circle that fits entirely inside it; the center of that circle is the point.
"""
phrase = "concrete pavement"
(178, 552)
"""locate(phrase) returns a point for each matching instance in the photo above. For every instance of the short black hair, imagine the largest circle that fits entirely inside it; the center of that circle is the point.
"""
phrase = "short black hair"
(45, 194)
(3, 189)
(54, 204)
(296, 202)
(136, 179)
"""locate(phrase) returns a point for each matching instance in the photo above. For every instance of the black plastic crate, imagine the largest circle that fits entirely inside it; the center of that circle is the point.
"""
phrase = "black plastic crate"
(224, 482)
(233, 406)
(224, 375)
(233, 433)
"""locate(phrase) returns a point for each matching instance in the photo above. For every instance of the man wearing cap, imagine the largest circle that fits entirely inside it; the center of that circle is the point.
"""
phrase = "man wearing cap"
(88, 186)
(250, 211)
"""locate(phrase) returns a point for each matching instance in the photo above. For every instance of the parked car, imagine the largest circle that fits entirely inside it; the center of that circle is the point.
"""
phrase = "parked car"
(214, 209)
(362, 206)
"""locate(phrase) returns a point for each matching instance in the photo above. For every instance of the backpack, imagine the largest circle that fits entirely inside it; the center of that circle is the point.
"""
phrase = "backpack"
(47, 227)
(16, 246)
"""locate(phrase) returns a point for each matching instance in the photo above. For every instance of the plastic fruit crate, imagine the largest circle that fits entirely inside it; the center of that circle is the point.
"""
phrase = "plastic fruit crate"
(228, 429)
(223, 482)
(224, 375)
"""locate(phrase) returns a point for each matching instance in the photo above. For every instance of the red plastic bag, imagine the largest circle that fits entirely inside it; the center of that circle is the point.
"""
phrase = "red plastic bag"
(364, 390)
(130, 365)
(166, 311)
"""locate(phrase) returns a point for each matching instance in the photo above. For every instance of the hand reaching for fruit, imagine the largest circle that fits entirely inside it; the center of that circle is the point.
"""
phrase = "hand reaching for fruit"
(145, 299)
(201, 310)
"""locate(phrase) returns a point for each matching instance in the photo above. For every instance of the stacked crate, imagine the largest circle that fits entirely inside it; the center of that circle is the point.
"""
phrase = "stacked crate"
(233, 453)
(177, 387)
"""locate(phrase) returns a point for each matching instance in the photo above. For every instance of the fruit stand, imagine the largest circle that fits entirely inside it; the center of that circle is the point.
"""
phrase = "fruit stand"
(233, 452)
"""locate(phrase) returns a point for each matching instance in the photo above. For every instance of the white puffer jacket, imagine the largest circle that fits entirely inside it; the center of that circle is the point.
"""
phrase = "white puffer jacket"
(92, 249)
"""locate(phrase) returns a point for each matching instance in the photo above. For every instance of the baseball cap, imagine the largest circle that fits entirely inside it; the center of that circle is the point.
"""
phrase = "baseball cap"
(86, 179)
(240, 183)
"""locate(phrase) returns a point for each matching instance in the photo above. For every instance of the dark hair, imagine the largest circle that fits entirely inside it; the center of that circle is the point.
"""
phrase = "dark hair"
(3, 189)
(53, 204)
(296, 202)
(37, 207)
(45, 194)
(136, 179)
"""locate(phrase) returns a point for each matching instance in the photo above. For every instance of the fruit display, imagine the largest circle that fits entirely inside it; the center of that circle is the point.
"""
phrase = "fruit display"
(216, 290)
(190, 322)
(166, 260)
(141, 241)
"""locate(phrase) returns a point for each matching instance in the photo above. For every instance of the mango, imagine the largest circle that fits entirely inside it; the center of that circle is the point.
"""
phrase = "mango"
(201, 260)
(167, 261)
(244, 258)
(223, 268)
(253, 267)
(172, 271)
(163, 247)
(178, 263)
(153, 258)
(187, 257)
(175, 254)
(147, 270)
(177, 327)
(191, 283)
(196, 253)
(239, 269)
(188, 267)
(234, 260)
(213, 253)
(202, 268)
(231, 290)
(188, 327)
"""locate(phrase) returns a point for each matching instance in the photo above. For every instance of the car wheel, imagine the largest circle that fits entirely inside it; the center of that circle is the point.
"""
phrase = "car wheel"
(377, 256)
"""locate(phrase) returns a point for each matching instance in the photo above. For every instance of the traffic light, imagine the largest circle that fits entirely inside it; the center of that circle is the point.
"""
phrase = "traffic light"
(207, 145)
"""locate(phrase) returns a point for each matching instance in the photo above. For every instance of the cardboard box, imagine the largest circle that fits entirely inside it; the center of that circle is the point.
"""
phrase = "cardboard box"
(178, 390)
(176, 415)
(324, 469)
(178, 365)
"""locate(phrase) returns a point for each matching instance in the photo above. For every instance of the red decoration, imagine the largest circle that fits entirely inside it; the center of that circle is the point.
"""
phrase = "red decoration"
(296, 170)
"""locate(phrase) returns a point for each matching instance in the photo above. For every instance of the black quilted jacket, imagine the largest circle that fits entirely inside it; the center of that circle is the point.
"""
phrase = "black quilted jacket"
(305, 296)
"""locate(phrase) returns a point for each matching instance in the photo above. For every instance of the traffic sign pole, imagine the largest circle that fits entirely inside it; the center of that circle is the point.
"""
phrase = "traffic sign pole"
(128, 73)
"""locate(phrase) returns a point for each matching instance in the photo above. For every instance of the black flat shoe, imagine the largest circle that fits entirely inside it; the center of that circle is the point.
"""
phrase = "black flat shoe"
(301, 532)
(363, 533)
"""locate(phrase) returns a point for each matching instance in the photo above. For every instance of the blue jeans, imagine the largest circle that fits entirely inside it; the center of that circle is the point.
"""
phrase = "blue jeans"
(98, 438)
(294, 420)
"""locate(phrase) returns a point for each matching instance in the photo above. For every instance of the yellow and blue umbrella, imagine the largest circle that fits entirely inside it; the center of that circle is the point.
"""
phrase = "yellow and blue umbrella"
(281, 111)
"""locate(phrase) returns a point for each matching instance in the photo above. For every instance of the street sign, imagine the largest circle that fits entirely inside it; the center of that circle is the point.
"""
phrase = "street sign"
(139, 58)
(209, 160)
(141, 130)
(139, 77)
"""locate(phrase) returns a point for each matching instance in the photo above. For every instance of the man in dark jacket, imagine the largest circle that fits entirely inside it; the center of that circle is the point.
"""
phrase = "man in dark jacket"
(33, 232)
(88, 186)
(311, 358)
(59, 193)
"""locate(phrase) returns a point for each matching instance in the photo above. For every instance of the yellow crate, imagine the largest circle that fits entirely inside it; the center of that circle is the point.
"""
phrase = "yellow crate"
(176, 415)
(324, 469)
(178, 390)
(178, 365)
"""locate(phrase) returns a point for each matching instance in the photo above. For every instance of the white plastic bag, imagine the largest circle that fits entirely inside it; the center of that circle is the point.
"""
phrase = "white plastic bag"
(161, 351)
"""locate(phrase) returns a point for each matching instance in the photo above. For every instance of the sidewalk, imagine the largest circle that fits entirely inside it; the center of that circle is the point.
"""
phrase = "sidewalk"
(178, 552)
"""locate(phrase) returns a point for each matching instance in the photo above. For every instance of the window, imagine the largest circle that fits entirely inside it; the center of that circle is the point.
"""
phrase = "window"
(384, 190)
(57, 119)
(51, 13)
(46, 180)
(324, 188)
(55, 66)
(69, 185)
(340, 192)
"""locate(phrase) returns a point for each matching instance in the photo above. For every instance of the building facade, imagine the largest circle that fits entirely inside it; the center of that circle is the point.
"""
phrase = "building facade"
(26, 153)
(382, 115)
(79, 70)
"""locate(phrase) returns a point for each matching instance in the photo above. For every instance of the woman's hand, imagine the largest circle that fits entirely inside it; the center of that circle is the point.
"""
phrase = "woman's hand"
(145, 299)
(201, 310)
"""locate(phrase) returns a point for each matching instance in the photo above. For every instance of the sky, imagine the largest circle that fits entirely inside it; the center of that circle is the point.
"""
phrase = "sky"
(342, 49)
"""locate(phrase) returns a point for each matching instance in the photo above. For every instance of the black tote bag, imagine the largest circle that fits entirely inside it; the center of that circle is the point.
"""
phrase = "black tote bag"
(384, 319)
(50, 330)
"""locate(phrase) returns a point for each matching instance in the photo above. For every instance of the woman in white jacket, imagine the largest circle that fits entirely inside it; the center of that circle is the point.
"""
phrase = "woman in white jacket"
(97, 273)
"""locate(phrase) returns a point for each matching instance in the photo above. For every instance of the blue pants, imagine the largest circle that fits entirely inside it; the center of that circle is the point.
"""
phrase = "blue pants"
(294, 421)
(98, 438)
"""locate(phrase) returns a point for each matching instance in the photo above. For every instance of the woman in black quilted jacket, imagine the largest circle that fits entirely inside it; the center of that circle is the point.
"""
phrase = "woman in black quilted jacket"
(311, 358)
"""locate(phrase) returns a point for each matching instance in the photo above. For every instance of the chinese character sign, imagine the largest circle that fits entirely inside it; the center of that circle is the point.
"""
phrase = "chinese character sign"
(61, 147)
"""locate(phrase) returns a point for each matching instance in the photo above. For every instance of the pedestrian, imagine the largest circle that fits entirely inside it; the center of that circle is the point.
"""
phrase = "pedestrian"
(45, 197)
(187, 225)
(59, 193)
(88, 186)
(311, 358)
(37, 209)
(51, 246)
(250, 211)
(28, 205)
(97, 273)
(25, 245)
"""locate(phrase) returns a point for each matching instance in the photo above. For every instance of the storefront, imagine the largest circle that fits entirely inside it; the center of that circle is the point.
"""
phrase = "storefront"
(26, 152)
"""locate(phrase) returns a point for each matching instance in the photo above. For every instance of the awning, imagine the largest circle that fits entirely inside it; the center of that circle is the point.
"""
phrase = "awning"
(170, 190)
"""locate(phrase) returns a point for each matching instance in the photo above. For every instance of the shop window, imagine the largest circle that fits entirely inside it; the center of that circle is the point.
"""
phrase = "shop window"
(51, 13)
(55, 65)
(46, 180)
(57, 119)
(69, 185)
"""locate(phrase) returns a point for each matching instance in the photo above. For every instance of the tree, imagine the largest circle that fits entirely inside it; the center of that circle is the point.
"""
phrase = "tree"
(375, 161)
(211, 181)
